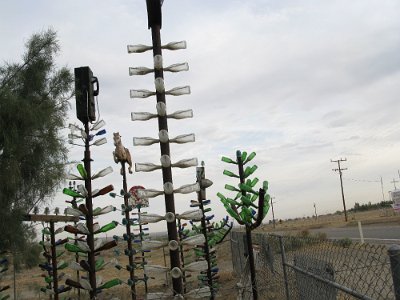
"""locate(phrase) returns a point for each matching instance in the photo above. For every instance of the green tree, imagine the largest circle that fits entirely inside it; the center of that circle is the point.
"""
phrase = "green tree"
(34, 98)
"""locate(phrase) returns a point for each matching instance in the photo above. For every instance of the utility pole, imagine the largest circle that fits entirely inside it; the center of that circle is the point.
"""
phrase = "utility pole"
(315, 210)
(341, 182)
(383, 194)
(273, 215)
(394, 183)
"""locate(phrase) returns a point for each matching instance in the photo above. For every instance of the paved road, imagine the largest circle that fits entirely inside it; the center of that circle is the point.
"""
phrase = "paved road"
(371, 232)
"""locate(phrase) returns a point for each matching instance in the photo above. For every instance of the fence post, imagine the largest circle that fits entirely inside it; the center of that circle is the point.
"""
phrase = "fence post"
(285, 277)
(394, 255)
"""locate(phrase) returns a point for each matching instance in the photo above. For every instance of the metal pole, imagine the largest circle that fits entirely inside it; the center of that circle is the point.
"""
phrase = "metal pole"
(248, 235)
(201, 195)
(285, 276)
(141, 233)
(182, 257)
(128, 232)
(394, 256)
(154, 14)
(273, 214)
(383, 194)
(54, 260)
(89, 217)
(72, 186)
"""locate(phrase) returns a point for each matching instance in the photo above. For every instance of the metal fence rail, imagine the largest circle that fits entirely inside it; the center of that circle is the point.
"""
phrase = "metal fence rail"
(305, 267)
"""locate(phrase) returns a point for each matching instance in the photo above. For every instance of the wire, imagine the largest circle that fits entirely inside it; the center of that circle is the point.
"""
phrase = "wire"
(361, 180)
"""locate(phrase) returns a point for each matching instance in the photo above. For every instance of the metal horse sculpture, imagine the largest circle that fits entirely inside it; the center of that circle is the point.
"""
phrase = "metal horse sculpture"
(121, 154)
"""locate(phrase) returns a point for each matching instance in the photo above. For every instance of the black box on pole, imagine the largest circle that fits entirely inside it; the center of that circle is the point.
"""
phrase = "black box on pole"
(154, 12)
(84, 94)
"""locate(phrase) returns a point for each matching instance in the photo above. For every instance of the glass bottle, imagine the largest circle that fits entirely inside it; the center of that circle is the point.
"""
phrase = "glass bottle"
(188, 188)
(179, 91)
(108, 227)
(181, 114)
(249, 158)
(82, 171)
(144, 141)
(110, 283)
(72, 193)
(174, 45)
(186, 163)
(228, 160)
(103, 173)
(230, 174)
(103, 191)
(141, 93)
(142, 116)
(107, 246)
(139, 71)
(138, 48)
(146, 167)
(177, 67)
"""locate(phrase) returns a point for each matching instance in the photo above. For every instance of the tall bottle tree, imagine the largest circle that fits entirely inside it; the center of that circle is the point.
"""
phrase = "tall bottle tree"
(33, 105)
(243, 207)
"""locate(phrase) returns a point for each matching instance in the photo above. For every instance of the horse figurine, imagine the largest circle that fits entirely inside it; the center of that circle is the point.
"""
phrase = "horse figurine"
(121, 154)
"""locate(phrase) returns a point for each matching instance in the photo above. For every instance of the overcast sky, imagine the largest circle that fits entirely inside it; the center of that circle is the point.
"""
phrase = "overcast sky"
(299, 82)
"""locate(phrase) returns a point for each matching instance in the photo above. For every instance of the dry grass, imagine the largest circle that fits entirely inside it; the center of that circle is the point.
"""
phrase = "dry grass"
(373, 217)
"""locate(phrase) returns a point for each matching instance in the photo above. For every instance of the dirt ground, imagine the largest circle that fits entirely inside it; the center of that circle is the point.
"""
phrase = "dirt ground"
(28, 282)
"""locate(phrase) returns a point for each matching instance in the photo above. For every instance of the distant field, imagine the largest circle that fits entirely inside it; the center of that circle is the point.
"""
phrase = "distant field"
(379, 216)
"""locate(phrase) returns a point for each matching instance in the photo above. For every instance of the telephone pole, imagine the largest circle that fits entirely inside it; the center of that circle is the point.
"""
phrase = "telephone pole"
(341, 182)
(315, 210)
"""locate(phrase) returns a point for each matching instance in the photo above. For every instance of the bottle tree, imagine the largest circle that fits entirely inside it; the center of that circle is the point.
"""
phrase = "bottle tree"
(72, 229)
(52, 266)
(122, 155)
(135, 236)
(140, 233)
(164, 138)
(248, 207)
(90, 246)
(49, 243)
(214, 233)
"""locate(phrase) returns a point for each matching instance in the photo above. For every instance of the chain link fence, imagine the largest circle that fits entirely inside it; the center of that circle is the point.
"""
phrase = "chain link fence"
(308, 267)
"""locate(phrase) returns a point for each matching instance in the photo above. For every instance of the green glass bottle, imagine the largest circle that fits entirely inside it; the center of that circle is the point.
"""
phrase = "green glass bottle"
(232, 213)
(249, 170)
(230, 174)
(108, 227)
(82, 171)
(231, 188)
(254, 182)
(244, 156)
(72, 193)
(111, 283)
(228, 160)
(73, 248)
(246, 188)
(249, 158)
